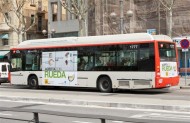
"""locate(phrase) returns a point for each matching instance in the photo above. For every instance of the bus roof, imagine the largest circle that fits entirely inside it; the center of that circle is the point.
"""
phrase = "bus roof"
(91, 40)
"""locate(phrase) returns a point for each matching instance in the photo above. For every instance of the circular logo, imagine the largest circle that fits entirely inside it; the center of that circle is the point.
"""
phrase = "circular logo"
(184, 44)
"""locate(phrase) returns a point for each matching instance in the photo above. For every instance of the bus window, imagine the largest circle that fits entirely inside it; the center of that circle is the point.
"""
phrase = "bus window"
(16, 64)
(144, 54)
(146, 61)
(32, 61)
(29, 60)
(89, 64)
(105, 58)
(127, 58)
(81, 63)
(167, 51)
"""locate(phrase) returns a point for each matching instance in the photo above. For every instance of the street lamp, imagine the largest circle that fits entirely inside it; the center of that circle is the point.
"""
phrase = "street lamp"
(44, 32)
(50, 34)
(121, 16)
(113, 16)
(53, 32)
(129, 13)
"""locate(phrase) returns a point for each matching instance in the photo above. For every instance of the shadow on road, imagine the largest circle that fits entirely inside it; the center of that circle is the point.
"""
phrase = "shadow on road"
(82, 89)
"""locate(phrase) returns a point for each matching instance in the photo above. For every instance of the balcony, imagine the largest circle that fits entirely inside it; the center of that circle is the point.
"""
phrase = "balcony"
(42, 9)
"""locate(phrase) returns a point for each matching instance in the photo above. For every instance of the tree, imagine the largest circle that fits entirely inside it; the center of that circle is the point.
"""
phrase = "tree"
(80, 9)
(168, 4)
(13, 10)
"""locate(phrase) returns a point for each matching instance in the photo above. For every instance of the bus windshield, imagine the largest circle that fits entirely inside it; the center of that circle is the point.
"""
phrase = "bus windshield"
(167, 51)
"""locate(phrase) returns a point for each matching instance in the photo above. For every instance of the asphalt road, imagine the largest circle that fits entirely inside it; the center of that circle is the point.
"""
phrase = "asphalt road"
(161, 94)
(168, 116)
(176, 94)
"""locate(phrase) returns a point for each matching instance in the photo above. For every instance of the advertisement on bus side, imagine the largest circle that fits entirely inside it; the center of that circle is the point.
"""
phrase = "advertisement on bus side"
(59, 68)
(168, 69)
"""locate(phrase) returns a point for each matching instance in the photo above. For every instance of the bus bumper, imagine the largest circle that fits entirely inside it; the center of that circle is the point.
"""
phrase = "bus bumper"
(166, 82)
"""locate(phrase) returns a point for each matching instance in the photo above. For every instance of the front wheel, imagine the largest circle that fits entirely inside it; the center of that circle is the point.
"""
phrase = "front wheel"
(33, 82)
(105, 84)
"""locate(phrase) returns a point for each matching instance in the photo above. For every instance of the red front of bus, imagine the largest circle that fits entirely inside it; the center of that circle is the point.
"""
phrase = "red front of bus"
(166, 65)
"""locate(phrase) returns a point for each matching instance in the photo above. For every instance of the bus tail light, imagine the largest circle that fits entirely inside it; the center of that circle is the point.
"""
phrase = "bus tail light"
(9, 76)
(158, 70)
(158, 74)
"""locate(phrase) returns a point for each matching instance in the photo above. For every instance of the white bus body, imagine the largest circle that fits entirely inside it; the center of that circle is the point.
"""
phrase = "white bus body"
(55, 72)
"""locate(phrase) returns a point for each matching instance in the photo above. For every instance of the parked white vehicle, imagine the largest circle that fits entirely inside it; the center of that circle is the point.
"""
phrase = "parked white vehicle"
(4, 72)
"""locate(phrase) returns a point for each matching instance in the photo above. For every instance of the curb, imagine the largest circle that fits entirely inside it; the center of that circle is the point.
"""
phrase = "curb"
(185, 87)
(100, 104)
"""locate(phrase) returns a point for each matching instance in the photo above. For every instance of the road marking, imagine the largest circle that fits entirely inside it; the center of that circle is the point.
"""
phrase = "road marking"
(5, 114)
(173, 116)
(118, 121)
(163, 115)
(80, 122)
(145, 115)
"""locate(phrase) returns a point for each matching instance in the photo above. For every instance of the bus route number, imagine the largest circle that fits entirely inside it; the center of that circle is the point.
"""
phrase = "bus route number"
(133, 46)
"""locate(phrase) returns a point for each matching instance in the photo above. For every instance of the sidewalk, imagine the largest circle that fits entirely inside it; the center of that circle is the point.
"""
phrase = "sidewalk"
(185, 84)
(108, 100)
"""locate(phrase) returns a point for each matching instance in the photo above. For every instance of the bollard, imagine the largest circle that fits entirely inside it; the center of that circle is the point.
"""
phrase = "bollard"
(36, 118)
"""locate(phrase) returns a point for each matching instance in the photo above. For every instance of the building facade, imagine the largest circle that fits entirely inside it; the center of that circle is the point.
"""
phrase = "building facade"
(147, 15)
(34, 9)
(61, 23)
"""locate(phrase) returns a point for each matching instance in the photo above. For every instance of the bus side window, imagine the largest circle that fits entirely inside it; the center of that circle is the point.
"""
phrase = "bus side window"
(98, 62)
(81, 64)
(89, 64)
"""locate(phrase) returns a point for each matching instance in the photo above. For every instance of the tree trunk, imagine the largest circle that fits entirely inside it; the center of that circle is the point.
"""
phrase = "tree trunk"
(82, 29)
(18, 35)
(170, 23)
(21, 37)
(24, 36)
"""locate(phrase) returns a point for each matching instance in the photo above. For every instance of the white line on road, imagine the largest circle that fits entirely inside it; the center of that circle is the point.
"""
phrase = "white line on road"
(172, 116)
(5, 114)
(158, 115)
(117, 121)
(144, 115)
(80, 122)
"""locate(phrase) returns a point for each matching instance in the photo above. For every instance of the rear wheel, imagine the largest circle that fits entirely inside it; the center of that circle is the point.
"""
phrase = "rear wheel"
(105, 84)
(33, 82)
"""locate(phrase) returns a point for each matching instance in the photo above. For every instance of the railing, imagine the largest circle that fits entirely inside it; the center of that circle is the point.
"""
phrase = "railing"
(102, 118)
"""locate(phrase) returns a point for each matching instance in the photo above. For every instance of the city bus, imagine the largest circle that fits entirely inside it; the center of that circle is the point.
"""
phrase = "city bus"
(109, 62)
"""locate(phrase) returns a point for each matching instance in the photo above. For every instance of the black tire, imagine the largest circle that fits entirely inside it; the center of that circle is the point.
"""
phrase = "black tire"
(33, 82)
(105, 84)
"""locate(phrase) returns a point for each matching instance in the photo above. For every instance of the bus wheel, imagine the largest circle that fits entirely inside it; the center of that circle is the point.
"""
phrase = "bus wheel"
(105, 84)
(33, 82)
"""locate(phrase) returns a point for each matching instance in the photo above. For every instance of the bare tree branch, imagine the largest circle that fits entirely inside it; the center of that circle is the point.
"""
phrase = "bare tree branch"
(15, 7)
(80, 9)
(167, 5)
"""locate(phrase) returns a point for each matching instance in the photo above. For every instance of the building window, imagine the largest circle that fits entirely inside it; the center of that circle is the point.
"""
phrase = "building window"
(64, 17)
(54, 11)
(39, 5)
(32, 19)
(5, 42)
(39, 23)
